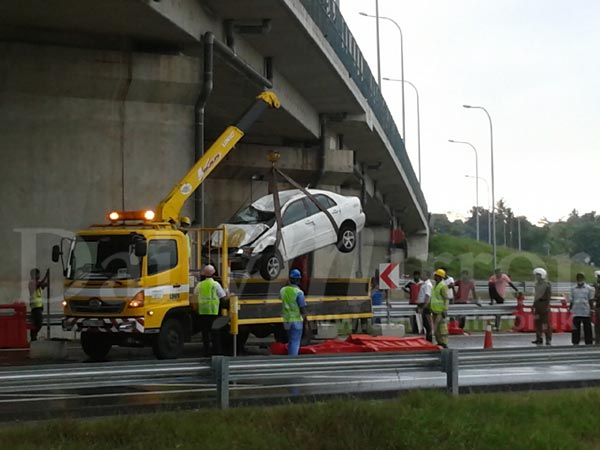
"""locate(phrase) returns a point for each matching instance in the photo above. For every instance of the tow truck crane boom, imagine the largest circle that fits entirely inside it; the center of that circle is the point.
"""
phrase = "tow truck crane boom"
(169, 208)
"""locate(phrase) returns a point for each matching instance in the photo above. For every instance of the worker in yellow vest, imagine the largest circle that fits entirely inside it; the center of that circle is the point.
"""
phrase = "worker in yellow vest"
(439, 308)
(36, 301)
(293, 311)
(210, 295)
(185, 224)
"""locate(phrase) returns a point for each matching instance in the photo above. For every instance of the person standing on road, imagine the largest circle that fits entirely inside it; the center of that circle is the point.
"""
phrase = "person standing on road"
(497, 286)
(293, 311)
(412, 288)
(423, 314)
(210, 295)
(36, 301)
(464, 287)
(449, 281)
(582, 298)
(541, 306)
(439, 308)
(596, 306)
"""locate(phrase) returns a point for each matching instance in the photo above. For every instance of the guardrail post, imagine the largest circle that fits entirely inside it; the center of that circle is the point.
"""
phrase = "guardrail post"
(220, 368)
(450, 366)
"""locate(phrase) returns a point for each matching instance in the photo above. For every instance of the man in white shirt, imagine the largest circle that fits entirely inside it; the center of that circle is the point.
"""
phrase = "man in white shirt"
(423, 314)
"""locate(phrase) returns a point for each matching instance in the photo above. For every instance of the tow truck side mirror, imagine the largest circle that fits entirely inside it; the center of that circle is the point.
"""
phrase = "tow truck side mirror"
(141, 248)
(55, 253)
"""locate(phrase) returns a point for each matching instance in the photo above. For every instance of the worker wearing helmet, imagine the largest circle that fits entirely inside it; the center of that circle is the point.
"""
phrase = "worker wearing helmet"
(596, 306)
(210, 295)
(439, 308)
(293, 311)
(184, 224)
(541, 306)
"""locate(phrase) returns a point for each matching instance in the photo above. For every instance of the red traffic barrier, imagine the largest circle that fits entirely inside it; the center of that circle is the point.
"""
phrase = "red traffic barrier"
(13, 326)
(360, 343)
(561, 319)
(454, 327)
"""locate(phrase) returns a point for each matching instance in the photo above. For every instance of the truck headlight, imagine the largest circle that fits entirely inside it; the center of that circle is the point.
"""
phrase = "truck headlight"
(137, 301)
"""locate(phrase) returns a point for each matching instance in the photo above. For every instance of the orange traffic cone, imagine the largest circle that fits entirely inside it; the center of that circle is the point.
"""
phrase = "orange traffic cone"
(487, 343)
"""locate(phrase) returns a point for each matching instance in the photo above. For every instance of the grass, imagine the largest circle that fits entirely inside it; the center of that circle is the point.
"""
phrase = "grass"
(468, 254)
(419, 419)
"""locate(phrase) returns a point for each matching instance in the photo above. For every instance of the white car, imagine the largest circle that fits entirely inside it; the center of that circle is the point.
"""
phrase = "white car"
(251, 232)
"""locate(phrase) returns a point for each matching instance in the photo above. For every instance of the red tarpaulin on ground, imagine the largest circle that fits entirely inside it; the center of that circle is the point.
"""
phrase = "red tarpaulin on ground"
(358, 343)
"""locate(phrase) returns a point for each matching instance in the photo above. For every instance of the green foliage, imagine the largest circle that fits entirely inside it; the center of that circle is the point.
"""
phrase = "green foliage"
(418, 419)
(459, 254)
(578, 236)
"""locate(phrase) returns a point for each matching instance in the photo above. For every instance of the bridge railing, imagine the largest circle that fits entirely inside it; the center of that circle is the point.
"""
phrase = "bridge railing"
(327, 16)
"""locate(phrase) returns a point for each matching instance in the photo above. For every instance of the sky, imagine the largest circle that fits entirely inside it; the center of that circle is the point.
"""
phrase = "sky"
(533, 64)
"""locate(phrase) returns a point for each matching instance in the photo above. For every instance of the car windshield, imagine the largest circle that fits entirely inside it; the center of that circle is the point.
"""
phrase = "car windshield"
(252, 215)
(103, 258)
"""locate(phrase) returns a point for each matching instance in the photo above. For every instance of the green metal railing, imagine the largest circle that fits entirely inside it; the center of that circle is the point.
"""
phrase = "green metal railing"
(327, 16)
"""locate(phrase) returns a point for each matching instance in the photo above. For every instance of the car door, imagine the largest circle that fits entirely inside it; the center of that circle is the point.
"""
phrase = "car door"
(297, 230)
(324, 233)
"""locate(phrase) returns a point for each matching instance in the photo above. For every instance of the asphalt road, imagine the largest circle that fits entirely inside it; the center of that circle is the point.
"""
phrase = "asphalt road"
(146, 395)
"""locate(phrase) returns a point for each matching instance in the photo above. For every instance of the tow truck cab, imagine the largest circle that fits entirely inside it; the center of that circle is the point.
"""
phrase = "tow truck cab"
(123, 283)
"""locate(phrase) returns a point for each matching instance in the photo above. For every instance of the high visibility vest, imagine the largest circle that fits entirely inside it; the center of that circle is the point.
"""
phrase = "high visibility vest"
(208, 298)
(438, 303)
(290, 309)
(36, 299)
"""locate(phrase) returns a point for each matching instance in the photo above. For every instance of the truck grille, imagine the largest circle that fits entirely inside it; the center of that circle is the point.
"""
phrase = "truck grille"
(93, 306)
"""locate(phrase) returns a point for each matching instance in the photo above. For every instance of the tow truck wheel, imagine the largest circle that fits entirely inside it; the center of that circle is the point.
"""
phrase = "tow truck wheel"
(270, 265)
(346, 238)
(169, 342)
(95, 345)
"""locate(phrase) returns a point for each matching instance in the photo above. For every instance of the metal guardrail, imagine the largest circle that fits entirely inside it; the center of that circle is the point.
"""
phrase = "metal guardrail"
(327, 16)
(222, 371)
(19, 379)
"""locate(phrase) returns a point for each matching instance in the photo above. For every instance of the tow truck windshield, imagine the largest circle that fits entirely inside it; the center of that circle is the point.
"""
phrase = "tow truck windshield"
(103, 258)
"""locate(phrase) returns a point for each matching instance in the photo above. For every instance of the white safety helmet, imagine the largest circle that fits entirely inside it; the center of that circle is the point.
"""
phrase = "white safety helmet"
(597, 273)
(209, 270)
(541, 272)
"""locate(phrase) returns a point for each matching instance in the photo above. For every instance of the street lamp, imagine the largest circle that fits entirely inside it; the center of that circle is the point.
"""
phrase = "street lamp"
(489, 207)
(476, 182)
(377, 17)
(493, 197)
(418, 119)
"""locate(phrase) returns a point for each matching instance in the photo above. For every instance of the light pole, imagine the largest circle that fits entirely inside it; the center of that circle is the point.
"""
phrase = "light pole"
(418, 119)
(476, 182)
(489, 207)
(493, 197)
(377, 17)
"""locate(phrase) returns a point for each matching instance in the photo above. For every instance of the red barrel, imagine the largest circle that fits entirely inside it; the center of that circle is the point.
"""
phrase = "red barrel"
(13, 326)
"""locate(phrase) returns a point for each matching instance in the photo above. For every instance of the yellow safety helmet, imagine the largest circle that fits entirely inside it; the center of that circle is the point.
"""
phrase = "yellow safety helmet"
(440, 273)
(185, 220)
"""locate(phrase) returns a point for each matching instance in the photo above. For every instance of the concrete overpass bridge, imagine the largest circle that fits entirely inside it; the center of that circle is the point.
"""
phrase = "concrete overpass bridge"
(101, 108)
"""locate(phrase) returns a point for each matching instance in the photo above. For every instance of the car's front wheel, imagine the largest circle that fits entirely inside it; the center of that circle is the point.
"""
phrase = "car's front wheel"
(346, 238)
(270, 264)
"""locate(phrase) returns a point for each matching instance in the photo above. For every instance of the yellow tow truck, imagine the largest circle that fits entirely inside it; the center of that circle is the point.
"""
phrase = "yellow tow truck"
(129, 281)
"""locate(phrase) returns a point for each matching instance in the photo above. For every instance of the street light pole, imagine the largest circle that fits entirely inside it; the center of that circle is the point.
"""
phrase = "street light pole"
(487, 186)
(378, 17)
(493, 197)
(378, 47)
(476, 182)
(418, 120)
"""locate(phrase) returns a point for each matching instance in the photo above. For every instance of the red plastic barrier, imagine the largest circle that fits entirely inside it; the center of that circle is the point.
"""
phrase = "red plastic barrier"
(359, 343)
(561, 319)
(392, 343)
(454, 327)
(13, 326)
(327, 347)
